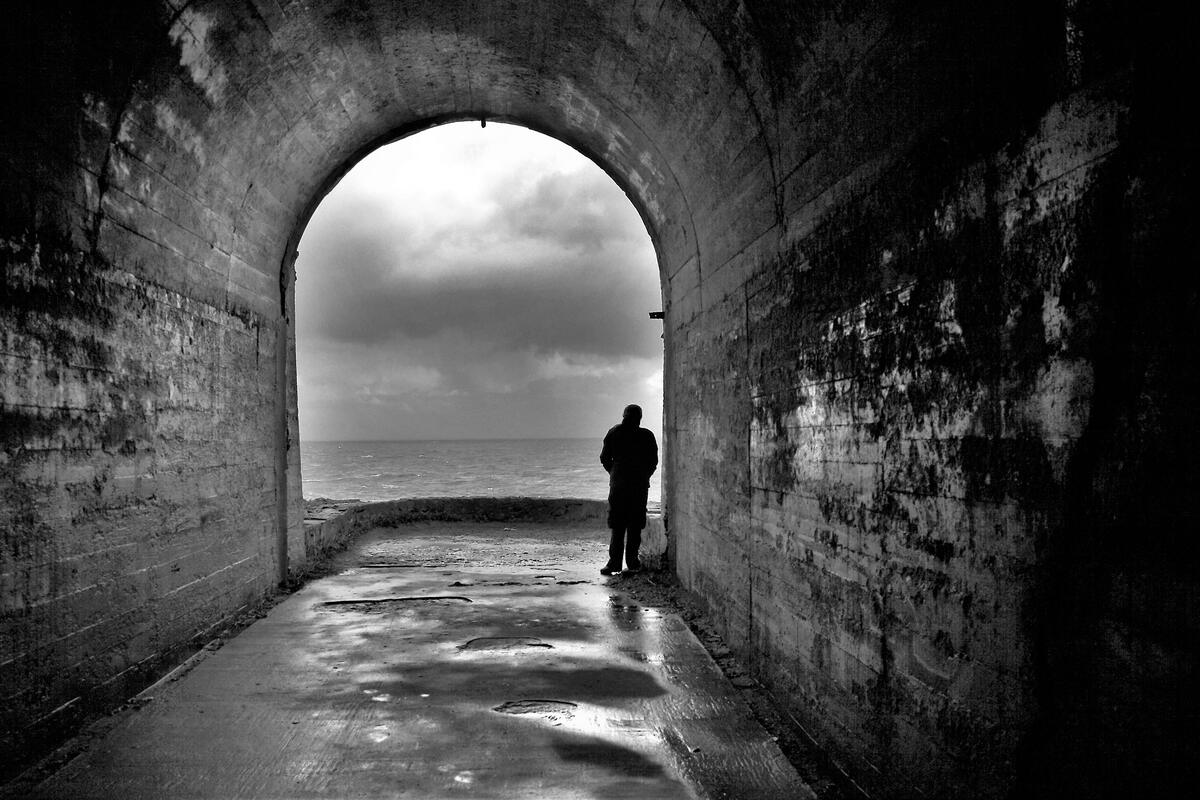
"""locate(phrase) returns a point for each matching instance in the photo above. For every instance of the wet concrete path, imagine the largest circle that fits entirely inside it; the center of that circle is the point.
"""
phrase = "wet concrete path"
(447, 660)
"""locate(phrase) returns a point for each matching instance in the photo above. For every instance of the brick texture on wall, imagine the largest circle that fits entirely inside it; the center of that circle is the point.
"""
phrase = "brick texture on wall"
(136, 513)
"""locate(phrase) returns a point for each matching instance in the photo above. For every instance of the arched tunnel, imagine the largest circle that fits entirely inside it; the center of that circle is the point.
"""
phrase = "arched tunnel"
(930, 343)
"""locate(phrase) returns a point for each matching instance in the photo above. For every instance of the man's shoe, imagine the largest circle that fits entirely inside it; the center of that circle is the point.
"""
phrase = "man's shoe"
(636, 566)
(608, 570)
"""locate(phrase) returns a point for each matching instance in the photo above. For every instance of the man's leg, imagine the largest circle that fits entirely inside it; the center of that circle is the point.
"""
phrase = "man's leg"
(615, 545)
(633, 541)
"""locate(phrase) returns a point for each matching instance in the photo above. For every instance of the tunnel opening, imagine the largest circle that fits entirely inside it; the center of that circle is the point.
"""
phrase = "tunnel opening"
(471, 315)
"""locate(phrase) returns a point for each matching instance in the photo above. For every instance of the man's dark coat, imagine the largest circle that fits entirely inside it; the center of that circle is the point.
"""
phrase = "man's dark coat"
(630, 455)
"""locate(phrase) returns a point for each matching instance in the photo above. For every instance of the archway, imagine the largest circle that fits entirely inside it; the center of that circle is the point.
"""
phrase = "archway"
(472, 283)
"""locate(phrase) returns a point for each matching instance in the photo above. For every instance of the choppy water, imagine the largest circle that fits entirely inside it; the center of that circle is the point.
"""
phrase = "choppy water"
(459, 468)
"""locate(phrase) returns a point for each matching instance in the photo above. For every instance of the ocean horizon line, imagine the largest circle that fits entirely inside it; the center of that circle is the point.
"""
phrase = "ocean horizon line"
(461, 439)
(377, 469)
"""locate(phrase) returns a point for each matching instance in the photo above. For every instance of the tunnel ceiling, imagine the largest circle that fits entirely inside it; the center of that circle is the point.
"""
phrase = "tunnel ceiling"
(255, 109)
(209, 131)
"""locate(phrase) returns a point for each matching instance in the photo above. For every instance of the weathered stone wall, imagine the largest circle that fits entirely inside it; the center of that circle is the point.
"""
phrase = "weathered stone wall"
(136, 510)
(929, 352)
(139, 399)
(909, 456)
(908, 400)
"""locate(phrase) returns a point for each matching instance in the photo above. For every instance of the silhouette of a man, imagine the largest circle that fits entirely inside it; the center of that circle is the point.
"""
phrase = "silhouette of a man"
(629, 456)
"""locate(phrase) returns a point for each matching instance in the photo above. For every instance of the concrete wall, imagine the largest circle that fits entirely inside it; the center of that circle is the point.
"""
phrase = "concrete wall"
(929, 355)
(905, 419)
(911, 383)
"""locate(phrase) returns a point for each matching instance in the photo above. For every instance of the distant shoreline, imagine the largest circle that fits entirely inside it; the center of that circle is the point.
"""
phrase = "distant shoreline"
(373, 471)
(598, 437)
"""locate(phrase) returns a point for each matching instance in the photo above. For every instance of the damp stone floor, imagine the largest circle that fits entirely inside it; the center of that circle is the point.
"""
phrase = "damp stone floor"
(446, 660)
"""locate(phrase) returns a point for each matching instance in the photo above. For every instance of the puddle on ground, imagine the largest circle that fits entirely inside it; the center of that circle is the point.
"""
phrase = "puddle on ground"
(384, 604)
(555, 708)
(504, 643)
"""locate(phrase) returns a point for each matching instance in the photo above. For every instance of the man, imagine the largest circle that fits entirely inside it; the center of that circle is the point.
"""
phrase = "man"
(629, 456)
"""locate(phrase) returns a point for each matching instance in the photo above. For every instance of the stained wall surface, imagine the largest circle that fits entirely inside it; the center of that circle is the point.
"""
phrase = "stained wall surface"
(929, 360)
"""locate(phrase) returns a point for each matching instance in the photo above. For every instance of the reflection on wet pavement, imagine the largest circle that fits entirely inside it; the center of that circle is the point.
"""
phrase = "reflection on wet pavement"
(532, 677)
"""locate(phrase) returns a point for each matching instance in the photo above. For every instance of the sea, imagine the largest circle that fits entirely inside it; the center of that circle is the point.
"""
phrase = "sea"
(457, 468)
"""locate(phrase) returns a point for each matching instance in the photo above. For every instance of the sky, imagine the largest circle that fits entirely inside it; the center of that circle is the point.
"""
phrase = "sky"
(476, 283)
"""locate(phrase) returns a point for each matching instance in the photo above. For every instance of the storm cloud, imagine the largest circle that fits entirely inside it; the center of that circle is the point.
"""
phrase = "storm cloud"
(475, 283)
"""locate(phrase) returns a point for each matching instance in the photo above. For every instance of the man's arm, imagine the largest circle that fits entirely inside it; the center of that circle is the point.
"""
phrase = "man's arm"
(606, 456)
(651, 454)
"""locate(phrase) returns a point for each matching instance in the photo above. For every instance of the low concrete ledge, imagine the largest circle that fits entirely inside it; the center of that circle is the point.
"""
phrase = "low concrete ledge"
(654, 542)
(330, 524)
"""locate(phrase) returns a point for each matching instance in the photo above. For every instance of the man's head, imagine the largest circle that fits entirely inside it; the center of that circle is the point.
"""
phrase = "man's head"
(632, 415)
